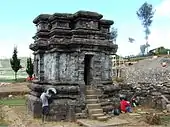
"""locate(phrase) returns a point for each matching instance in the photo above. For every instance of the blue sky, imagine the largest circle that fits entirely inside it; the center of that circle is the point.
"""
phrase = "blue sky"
(16, 27)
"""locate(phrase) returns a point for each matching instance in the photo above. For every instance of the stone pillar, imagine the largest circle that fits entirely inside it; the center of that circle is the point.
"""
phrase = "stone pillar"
(41, 77)
(81, 67)
(57, 66)
(36, 65)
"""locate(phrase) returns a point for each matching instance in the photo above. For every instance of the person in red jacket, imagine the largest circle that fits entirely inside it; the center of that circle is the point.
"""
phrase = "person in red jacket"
(125, 105)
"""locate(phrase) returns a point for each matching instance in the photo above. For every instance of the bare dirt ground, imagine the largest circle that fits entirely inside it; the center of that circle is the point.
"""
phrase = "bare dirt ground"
(13, 89)
(10, 87)
(23, 119)
(19, 117)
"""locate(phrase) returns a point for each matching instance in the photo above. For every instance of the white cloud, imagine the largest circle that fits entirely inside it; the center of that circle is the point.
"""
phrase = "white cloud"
(163, 9)
(6, 50)
(160, 37)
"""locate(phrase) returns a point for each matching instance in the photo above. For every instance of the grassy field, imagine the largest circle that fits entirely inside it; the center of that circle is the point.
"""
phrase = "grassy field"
(13, 101)
(8, 80)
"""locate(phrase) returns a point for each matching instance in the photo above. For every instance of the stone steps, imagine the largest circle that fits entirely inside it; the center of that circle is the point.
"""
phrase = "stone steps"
(91, 96)
(94, 106)
(91, 101)
(95, 116)
(90, 92)
(95, 111)
(102, 118)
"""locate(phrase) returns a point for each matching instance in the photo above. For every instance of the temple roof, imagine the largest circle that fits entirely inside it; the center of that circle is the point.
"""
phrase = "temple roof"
(61, 16)
(88, 14)
(106, 22)
(41, 17)
(66, 16)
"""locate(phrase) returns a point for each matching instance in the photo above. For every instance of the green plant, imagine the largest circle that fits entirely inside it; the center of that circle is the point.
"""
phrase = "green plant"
(113, 34)
(30, 67)
(15, 62)
(145, 14)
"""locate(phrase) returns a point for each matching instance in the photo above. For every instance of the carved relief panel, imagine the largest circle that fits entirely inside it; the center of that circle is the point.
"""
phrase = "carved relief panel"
(86, 24)
(42, 26)
(60, 24)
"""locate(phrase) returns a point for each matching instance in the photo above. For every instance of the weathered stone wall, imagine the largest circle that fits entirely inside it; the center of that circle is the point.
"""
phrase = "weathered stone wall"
(102, 67)
(50, 66)
(62, 67)
(150, 94)
(149, 70)
(149, 81)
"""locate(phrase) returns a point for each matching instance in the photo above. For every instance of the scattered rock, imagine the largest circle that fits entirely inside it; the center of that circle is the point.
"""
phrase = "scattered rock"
(168, 107)
(149, 80)
(10, 96)
(153, 119)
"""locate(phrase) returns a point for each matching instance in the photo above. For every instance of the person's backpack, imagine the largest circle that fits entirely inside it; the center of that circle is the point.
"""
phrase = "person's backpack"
(116, 112)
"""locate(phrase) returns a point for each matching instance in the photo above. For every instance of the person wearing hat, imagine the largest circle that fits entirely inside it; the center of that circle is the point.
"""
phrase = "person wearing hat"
(46, 99)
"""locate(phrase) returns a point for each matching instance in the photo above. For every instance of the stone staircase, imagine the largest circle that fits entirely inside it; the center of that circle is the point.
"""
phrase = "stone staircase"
(94, 108)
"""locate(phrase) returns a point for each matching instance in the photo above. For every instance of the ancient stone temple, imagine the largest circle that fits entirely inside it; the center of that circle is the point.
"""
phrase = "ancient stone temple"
(71, 52)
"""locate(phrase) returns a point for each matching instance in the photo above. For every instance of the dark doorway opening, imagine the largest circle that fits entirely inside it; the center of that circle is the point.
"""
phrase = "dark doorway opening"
(88, 69)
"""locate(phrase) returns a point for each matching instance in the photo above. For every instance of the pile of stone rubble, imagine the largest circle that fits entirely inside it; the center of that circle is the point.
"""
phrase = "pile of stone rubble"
(150, 80)
(149, 70)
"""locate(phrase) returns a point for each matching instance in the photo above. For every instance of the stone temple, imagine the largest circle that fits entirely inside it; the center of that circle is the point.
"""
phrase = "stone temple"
(71, 52)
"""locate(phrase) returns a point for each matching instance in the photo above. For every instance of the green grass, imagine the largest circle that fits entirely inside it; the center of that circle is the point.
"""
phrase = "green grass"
(13, 102)
(3, 123)
(165, 120)
(19, 80)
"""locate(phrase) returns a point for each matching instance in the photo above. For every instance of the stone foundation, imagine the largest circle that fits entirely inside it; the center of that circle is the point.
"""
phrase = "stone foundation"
(34, 106)
(150, 95)
(68, 101)
(59, 110)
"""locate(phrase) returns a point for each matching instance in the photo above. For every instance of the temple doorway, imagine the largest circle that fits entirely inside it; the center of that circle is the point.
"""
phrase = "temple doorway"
(88, 69)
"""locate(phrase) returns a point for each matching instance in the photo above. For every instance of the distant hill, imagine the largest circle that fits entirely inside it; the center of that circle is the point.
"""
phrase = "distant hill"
(7, 72)
(5, 63)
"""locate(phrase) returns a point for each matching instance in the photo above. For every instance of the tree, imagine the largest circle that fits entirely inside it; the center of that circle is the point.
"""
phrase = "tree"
(15, 62)
(30, 67)
(145, 14)
(143, 48)
(113, 34)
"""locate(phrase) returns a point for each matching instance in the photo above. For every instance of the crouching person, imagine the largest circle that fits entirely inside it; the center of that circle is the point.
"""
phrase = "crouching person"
(125, 105)
(46, 99)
